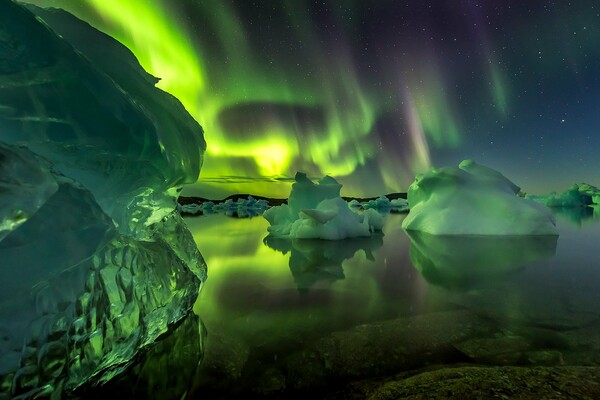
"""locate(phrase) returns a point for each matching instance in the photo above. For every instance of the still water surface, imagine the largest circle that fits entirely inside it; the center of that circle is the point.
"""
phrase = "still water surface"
(418, 299)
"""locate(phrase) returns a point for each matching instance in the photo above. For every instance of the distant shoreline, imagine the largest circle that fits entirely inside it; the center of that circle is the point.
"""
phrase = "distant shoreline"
(183, 200)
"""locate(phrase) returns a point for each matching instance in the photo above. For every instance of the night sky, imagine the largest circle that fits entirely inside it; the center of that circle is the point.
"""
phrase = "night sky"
(372, 92)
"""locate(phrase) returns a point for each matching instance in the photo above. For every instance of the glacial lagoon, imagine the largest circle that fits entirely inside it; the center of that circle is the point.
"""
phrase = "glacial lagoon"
(312, 316)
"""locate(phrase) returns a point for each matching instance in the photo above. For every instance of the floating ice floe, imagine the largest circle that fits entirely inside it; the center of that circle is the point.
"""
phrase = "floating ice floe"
(241, 208)
(316, 211)
(578, 195)
(472, 199)
(382, 204)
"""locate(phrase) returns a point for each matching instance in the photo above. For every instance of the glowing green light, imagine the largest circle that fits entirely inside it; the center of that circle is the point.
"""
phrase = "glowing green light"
(498, 89)
(435, 109)
(218, 71)
(161, 46)
(164, 48)
(253, 289)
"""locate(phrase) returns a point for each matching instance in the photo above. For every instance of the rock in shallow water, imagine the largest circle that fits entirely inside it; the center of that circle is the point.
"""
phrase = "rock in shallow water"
(484, 383)
(95, 264)
(383, 347)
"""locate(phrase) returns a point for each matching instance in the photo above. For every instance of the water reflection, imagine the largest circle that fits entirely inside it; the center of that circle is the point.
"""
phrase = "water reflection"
(578, 215)
(317, 260)
(399, 304)
(252, 292)
(456, 262)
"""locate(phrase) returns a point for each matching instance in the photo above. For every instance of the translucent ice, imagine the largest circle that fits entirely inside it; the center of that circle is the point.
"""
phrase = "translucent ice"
(95, 264)
(82, 101)
(472, 199)
(316, 211)
(25, 185)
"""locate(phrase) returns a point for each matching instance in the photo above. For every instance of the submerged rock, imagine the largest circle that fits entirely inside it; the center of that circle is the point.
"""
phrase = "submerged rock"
(95, 263)
(472, 382)
(382, 348)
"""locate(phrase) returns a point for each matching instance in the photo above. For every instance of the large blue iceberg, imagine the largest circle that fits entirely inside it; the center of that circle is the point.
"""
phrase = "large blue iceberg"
(95, 263)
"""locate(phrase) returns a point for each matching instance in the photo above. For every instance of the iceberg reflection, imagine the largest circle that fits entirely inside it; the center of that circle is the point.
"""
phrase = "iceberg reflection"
(313, 260)
(578, 215)
(465, 262)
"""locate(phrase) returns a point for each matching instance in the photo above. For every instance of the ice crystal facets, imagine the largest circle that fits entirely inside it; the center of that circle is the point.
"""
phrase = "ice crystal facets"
(95, 263)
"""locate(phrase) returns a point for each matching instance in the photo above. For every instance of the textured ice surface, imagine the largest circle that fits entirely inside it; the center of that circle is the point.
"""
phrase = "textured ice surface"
(152, 376)
(316, 211)
(25, 184)
(95, 264)
(472, 199)
(578, 195)
(83, 102)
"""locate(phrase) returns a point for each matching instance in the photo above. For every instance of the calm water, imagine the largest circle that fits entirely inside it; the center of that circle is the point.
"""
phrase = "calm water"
(269, 306)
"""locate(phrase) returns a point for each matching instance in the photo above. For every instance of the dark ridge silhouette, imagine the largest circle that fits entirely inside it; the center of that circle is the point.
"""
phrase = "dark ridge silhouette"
(183, 200)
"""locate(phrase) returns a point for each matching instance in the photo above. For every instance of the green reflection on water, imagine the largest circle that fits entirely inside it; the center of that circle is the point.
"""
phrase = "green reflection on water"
(459, 262)
(316, 260)
(303, 287)
(268, 303)
(578, 215)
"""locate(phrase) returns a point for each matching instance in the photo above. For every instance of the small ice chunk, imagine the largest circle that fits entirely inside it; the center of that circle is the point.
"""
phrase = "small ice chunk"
(399, 204)
(379, 203)
(354, 203)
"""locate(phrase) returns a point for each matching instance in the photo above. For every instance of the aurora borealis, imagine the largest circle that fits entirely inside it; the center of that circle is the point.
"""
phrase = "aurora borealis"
(372, 92)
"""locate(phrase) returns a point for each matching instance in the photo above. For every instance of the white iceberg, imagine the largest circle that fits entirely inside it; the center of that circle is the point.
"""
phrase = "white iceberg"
(316, 211)
(380, 203)
(472, 199)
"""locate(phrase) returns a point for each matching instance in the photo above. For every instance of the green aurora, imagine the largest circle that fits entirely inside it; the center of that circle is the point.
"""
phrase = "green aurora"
(267, 114)
(321, 123)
